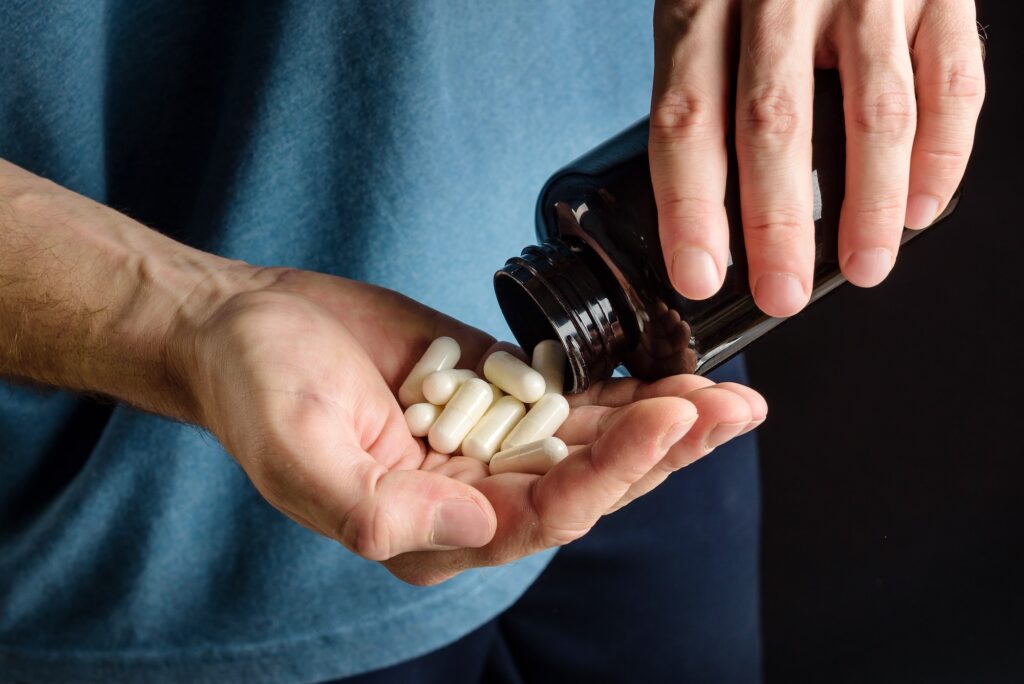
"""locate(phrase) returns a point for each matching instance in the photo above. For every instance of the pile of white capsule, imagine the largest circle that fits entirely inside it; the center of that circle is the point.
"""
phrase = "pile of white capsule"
(488, 419)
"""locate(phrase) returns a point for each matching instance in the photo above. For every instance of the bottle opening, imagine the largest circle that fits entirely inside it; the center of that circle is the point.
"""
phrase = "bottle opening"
(529, 323)
(550, 292)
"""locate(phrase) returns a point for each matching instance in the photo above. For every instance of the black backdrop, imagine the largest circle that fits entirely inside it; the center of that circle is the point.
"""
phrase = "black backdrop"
(892, 461)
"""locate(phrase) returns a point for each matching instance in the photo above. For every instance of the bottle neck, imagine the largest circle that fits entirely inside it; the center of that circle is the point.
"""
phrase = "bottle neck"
(552, 291)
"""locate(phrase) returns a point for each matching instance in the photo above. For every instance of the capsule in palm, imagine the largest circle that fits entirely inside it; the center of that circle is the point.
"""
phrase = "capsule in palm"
(420, 417)
(536, 458)
(549, 360)
(443, 353)
(460, 415)
(542, 420)
(514, 377)
(440, 386)
(484, 439)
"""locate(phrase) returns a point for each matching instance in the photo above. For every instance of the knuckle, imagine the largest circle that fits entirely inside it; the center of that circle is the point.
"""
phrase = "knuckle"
(777, 226)
(560, 535)
(689, 214)
(946, 160)
(683, 116)
(891, 113)
(677, 462)
(961, 81)
(771, 114)
(882, 212)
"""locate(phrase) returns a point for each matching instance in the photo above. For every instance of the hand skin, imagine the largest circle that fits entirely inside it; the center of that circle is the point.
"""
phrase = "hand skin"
(296, 373)
(913, 87)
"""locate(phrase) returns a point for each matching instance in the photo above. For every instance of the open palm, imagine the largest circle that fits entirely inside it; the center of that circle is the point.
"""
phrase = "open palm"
(298, 381)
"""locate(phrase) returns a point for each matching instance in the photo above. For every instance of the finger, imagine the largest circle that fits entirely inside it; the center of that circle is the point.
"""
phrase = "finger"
(539, 512)
(414, 510)
(434, 460)
(320, 471)
(581, 427)
(773, 147)
(756, 402)
(881, 115)
(723, 414)
(687, 141)
(623, 391)
(579, 490)
(463, 469)
(950, 81)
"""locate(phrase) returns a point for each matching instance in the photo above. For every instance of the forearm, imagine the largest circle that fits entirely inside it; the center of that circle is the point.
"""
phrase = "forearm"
(89, 298)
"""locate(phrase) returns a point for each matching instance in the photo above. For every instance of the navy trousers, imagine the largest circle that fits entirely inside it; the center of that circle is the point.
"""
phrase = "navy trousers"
(664, 590)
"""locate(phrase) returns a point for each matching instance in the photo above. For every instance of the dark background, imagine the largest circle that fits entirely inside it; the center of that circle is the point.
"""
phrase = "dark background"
(892, 461)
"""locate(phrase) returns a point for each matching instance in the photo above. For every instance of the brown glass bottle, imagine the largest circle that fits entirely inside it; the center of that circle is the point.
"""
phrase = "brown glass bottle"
(597, 280)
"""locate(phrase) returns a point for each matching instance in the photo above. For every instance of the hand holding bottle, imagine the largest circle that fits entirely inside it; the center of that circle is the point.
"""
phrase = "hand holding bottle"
(913, 87)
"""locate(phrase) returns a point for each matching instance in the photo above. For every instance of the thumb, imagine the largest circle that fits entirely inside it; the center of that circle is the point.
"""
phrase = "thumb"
(414, 510)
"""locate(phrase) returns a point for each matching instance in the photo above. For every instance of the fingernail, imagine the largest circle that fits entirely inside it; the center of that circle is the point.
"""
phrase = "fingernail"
(460, 523)
(676, 433)
(779, 294)
(922, 210)
(868, 267)
(695, 273)
(722, 433)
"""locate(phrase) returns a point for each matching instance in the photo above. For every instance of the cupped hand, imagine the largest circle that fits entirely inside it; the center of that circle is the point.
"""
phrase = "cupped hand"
(297, 379)
(913, 86)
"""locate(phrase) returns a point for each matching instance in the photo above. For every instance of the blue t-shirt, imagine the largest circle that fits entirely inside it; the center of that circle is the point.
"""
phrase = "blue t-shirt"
(401, 143)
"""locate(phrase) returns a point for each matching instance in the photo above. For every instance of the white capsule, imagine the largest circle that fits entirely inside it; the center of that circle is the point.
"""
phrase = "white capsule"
(549, 361)
(460, 415)
(535, 458)
(515, 377)
(542, 420)
(483, 440)
(442, 354)
(440, 386)
(420, 417)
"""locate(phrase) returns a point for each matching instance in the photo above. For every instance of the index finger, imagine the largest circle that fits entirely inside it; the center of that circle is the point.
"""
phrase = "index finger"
(579, 490)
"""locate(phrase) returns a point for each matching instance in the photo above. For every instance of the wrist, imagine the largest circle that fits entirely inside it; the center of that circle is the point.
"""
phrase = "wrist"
(95, 302)
(197, 299)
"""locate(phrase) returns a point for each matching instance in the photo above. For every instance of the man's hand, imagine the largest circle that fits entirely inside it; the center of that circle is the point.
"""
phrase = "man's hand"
(296, 374)
(297, 378)
(913, 86)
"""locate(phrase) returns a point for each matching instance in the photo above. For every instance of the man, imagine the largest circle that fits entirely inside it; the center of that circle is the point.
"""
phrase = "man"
(400, 146)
